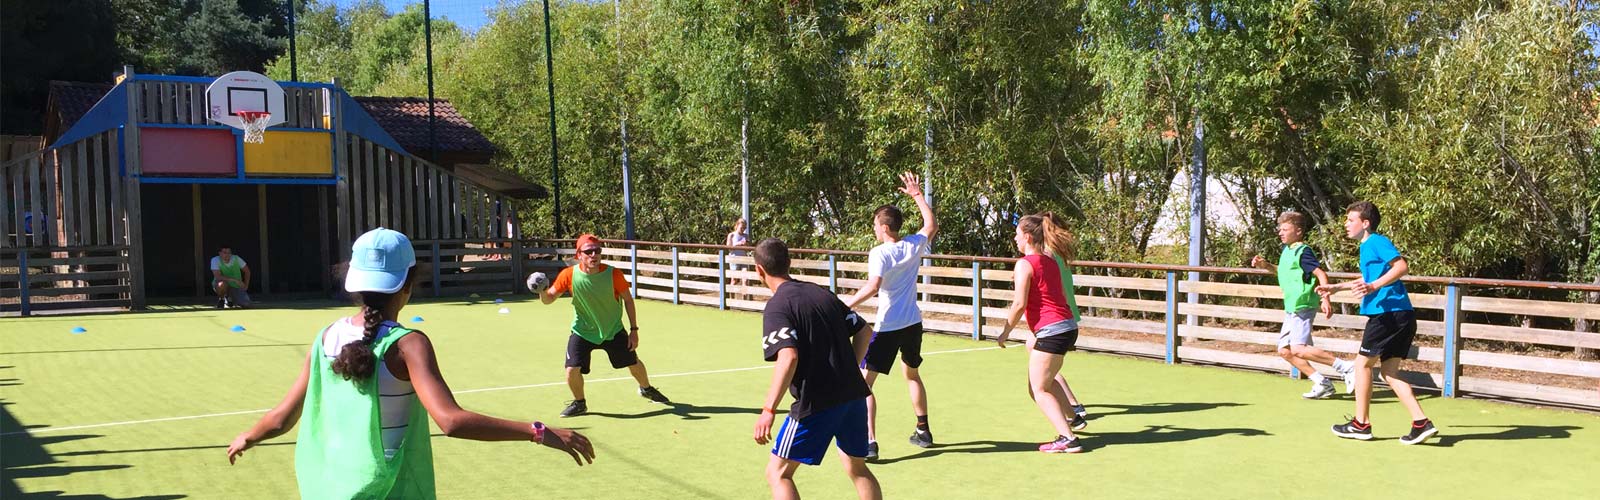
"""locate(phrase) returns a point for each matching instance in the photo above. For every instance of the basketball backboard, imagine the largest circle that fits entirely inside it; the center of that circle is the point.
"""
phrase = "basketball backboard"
(243, 91)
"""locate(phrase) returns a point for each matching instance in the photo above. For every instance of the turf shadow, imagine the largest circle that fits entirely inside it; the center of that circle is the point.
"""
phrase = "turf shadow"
(964, 447)
(684, 410)
(1158, 434)
(23, 456)
(1508, 433)
(1158, 408)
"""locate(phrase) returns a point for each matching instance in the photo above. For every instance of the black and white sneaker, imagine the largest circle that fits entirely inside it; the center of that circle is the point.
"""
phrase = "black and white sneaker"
(922, 438)
(1079, 423)
(1353, 430)
(1081, 411)
(1062, 444)
(653, 395)
(1420, 432)
(872, 450)
(222, 303)
(575, 408)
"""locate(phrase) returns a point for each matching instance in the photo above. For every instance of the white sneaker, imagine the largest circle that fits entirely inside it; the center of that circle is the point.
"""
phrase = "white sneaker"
(1349, 380)
(1319, 391)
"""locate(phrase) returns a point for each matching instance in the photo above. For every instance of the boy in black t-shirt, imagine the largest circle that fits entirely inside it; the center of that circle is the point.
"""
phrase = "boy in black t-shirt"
(817, 343)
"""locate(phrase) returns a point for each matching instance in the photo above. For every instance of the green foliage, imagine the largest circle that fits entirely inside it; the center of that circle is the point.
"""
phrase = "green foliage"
(43, 41)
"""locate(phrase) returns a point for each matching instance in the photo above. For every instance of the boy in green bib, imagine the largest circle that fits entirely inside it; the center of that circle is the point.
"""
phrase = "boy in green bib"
(368, 387)
(599, 297)
(1297, 267)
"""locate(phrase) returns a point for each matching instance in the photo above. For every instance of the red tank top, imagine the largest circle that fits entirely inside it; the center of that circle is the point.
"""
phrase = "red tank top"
(1047, 303)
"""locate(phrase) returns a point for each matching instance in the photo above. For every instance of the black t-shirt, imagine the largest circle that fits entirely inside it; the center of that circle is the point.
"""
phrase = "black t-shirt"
(818, 326)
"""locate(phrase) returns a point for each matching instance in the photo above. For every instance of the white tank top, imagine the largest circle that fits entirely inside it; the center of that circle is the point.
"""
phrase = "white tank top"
(394, 399)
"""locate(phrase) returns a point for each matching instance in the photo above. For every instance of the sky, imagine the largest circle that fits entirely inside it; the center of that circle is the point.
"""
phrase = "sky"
(469, 14)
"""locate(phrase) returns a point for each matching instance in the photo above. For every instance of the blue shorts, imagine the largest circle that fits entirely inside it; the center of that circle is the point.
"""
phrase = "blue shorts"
(806, 440)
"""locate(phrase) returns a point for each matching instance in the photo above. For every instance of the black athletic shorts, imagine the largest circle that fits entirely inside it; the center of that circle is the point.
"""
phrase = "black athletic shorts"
(1389, 335)
(906, 341)
(578, 351)
(1059, 343)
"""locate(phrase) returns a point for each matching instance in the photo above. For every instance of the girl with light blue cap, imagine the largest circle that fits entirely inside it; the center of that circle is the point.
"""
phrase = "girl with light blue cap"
(367, 388)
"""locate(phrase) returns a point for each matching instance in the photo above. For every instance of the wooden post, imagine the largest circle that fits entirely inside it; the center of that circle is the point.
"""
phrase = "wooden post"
(518, 261)
(323, 241)
(201, 266)
(977, 301)
(341, 169)
(1452, 340)
(675, 300)
(833, 273)
(22, 266)
(433, 257)
(266, 264)
(722, 279)
(130, 158)
(1172, 318)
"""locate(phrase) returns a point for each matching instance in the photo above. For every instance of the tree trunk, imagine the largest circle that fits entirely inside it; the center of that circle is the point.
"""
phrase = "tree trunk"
(1582, 325)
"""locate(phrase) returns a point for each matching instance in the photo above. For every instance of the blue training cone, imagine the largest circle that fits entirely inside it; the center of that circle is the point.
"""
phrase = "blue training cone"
(78, 329)
(499, 301)
(416, 319)
(238, 328)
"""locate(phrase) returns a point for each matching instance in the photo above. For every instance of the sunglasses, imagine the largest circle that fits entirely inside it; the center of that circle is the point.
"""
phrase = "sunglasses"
(591, 251)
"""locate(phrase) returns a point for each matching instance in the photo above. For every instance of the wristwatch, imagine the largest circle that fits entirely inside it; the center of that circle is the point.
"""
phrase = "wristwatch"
(538, 432)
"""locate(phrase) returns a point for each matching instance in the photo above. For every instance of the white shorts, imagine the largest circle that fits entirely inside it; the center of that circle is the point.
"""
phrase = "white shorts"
(1296, 328)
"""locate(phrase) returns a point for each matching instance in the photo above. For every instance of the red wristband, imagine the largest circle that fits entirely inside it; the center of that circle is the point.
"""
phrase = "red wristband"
(767, 410)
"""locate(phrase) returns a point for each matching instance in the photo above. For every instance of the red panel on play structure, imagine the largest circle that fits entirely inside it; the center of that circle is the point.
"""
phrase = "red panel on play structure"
(187, 151)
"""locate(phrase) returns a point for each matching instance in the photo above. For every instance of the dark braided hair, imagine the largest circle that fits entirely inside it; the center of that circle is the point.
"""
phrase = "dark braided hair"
(356, 360)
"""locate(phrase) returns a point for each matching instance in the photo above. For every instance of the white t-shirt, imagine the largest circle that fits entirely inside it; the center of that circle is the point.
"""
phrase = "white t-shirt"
(394, 403)
(897, 263)
(216, 262)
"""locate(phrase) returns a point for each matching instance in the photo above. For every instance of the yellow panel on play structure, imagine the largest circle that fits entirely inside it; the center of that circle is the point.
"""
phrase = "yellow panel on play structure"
(290, 153)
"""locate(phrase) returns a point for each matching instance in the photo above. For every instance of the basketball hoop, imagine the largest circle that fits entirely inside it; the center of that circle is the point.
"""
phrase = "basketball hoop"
(255, 125)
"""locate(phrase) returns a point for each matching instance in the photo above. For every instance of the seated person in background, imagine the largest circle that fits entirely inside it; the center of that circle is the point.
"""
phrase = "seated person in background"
(230, 278)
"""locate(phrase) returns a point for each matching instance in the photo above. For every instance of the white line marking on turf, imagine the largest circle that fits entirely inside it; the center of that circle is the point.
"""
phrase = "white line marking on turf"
(468, 391)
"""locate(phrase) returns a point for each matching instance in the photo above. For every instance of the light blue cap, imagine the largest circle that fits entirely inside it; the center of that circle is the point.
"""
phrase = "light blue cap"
(379, 260)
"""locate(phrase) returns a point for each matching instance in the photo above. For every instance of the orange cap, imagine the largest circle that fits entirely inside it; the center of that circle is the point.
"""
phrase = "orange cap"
(587, 239)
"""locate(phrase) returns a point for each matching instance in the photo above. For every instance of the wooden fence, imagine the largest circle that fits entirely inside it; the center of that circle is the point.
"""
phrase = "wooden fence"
(1144, 311)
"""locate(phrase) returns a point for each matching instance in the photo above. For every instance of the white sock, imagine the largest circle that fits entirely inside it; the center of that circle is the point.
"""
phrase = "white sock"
(1342, 365)
(1317, 378)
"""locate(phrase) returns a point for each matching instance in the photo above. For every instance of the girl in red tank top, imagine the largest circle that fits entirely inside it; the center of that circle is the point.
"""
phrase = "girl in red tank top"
(1041, 297)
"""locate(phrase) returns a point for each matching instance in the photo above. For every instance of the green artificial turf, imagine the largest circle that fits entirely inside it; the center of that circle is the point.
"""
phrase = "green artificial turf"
(1156, 431)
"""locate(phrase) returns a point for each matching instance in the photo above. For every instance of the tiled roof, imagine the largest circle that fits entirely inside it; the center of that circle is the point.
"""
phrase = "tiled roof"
(406, 119)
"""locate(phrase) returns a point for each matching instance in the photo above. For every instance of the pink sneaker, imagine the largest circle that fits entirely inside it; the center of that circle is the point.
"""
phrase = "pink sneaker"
(1062, 445)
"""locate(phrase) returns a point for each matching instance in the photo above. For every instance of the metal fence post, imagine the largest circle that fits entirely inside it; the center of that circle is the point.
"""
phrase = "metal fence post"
(22, 266)
(674, 275)
(833, 273)
(722, 279)
(977, 301)
(1172, 318)
(633, 285)
(433, 258)
(1452, 340)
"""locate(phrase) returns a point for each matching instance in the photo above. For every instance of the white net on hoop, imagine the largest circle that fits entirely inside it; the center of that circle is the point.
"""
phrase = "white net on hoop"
(255, 125)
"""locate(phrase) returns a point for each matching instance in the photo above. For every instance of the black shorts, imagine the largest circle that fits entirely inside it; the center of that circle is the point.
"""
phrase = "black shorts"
(1389, 335)
(1059, 343)
(578, 351)
(907, 341)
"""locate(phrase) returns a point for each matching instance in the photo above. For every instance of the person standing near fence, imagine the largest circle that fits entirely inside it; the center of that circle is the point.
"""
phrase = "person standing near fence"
(738, 238)
(1391, 324)
(892, 269)
(1041, 297)
(817, 343)
(1299, 273)
(599, 297)
(367, 388)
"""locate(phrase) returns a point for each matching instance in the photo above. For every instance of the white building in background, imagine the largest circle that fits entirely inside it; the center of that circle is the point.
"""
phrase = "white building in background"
(1221, 210)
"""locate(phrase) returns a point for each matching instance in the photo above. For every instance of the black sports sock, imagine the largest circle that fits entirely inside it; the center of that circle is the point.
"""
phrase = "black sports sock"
(922, 422)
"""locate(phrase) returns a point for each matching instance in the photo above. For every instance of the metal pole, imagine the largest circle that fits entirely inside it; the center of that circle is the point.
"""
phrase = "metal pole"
(1197, 210)
(550, 88)
(427, 37)
(722, 279)
(1172, 318)
(1452, 340)
(744, 171)
(977, 301)
(622, 116)
(675, 296)
(294, 67)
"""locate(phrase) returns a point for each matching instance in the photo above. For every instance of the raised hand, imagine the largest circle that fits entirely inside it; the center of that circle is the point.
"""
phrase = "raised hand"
(913, 185)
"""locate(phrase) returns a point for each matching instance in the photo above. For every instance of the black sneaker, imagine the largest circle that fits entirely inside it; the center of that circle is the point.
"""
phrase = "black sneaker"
(575, 408)
(922, 438)
(872, 450)
(654, 395)
(1353, 430)
(222, 303)
(1079, 423)
(1080, 410)
(1420, 433)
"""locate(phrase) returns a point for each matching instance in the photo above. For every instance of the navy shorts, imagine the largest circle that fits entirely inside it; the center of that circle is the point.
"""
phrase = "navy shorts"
(1389, 335)
(806, 440)
(906, 341)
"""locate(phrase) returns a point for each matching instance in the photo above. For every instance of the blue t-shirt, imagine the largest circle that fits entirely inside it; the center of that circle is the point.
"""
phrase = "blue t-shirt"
(1377, 253)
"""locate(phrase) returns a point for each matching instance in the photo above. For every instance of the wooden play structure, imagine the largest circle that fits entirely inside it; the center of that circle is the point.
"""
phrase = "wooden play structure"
(135, 197)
